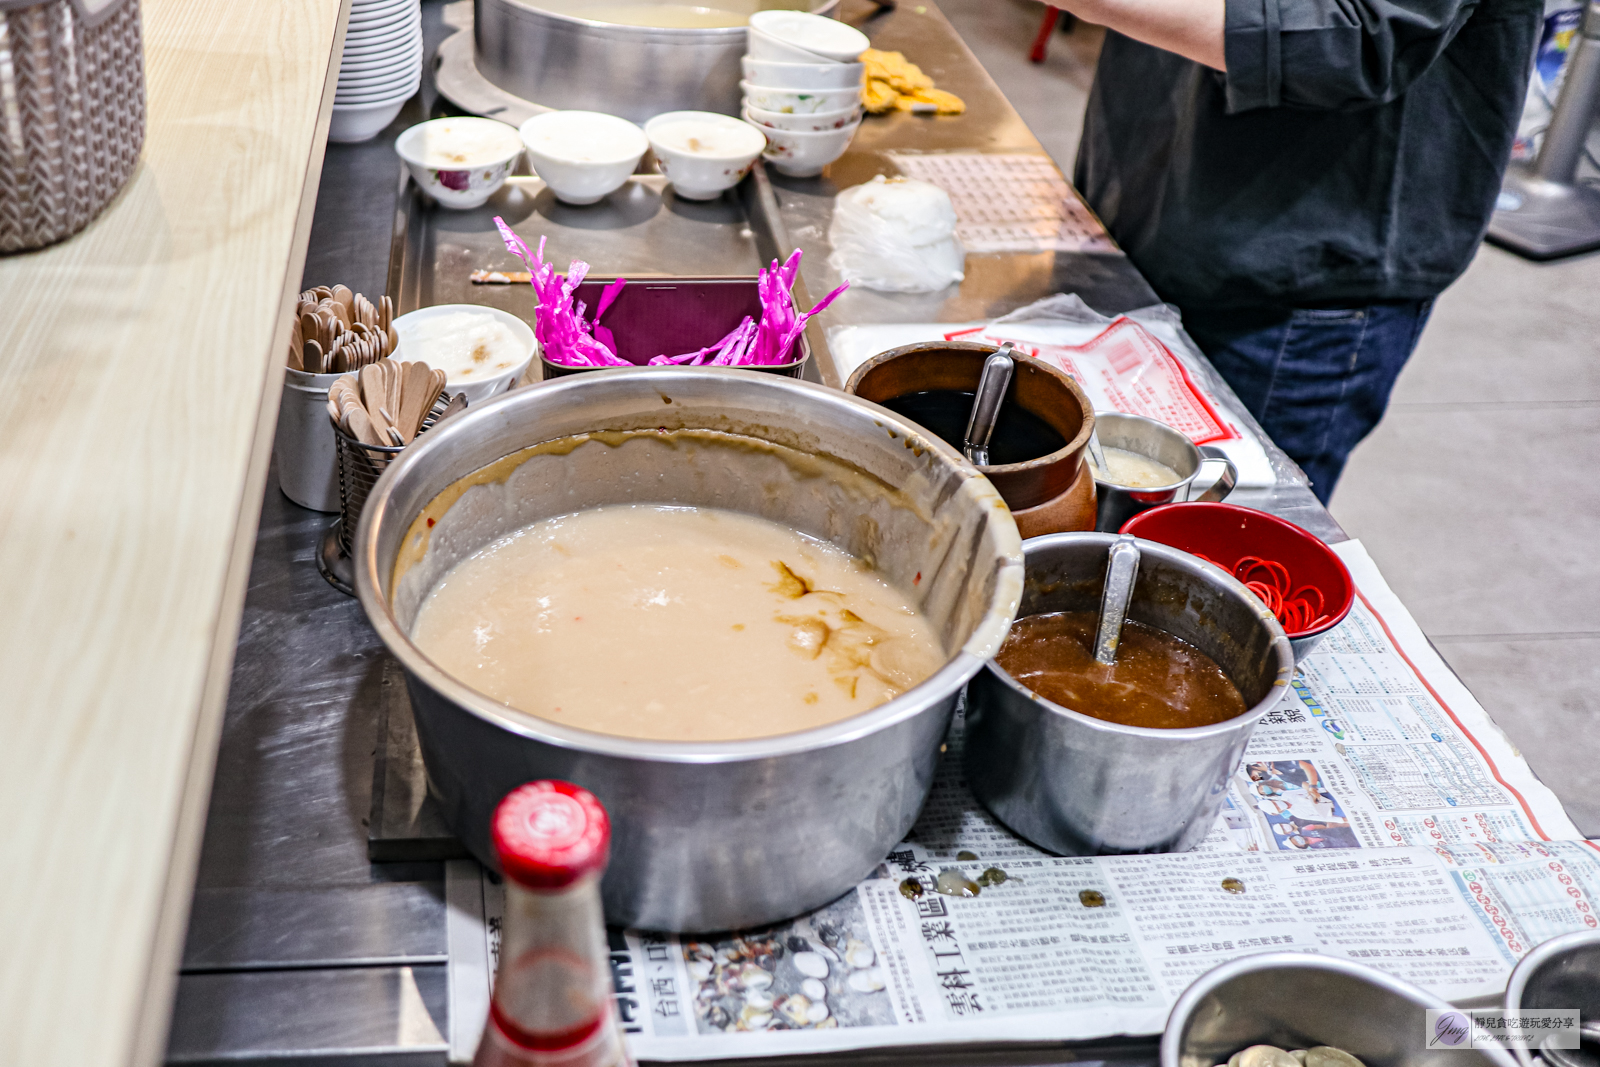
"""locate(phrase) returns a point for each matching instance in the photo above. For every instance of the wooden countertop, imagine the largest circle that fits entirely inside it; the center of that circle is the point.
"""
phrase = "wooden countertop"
(142, 363)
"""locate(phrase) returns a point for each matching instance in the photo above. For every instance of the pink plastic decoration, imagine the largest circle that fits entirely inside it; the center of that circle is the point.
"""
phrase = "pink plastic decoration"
(568, 339)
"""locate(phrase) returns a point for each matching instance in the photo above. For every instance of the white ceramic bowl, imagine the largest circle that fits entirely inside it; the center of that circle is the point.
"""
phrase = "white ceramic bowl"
(366, 9)
(398, 25)
(799, 101)
(364, 69)
(396, 36)
(482, 389)
(357, 46)
(371, 20)
(730, 150)
(816, 34)
(798, 76)
(376, 85)
(477, 176)
(394, 74)
(801, 154)
(583, 155)
(386, 36)
(395, 92)
(760, 45)
(362, 122)
(387, 15)
(828, 120)
(398, 48)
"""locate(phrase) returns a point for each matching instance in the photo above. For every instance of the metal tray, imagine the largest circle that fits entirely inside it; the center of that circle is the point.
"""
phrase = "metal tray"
(641, 231)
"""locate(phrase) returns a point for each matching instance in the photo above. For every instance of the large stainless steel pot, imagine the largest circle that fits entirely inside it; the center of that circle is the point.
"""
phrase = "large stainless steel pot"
(1083, 786)
(707, 836)
(547, 54)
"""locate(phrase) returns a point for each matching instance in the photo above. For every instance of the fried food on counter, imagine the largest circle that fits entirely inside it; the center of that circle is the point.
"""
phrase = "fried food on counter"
(878, 96)
(891, 82)
(935, 100)
(893, 67)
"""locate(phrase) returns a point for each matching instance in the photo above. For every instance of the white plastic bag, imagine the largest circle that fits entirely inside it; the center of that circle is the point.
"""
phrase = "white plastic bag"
(896, 235)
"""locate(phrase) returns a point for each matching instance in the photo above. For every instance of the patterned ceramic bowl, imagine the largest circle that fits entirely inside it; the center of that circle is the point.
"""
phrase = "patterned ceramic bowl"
(702, 153)
(484, 152)
(803, 154)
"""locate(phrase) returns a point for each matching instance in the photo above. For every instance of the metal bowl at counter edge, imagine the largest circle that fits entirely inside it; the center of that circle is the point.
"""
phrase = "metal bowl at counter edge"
(707, 835)
(564, 62)
(1299, 1000)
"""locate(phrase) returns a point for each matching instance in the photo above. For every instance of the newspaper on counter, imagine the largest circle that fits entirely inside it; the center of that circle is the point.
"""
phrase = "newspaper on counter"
(1379, 815)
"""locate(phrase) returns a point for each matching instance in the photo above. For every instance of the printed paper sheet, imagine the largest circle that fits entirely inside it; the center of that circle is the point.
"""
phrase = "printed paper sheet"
(1009, 203)
(1122, 364)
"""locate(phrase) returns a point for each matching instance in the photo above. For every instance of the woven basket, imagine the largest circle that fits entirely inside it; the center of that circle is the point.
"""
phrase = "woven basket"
(71, 114)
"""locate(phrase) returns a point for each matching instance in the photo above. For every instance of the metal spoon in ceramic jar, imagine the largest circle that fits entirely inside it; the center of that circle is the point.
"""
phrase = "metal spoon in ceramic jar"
(992, 385)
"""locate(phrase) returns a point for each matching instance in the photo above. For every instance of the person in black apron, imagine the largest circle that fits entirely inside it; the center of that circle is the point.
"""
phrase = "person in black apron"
(1302, 178)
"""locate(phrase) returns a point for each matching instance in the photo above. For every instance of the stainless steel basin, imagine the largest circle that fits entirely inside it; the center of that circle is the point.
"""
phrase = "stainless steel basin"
(1561, 973)
(707, 836)
(1297, 1000)
(547, 54)
(1080, 785)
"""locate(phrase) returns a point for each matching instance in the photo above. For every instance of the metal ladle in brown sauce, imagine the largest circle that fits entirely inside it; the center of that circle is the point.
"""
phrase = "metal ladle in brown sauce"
(1111, 668)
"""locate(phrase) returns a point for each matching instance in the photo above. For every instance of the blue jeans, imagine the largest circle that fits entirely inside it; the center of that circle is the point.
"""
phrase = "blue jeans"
(1317, 379)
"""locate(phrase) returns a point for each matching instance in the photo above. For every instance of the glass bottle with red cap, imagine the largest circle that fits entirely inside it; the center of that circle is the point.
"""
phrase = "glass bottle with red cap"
(552, 996)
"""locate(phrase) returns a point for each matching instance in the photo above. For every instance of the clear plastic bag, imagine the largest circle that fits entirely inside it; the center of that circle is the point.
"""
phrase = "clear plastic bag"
(896, 236)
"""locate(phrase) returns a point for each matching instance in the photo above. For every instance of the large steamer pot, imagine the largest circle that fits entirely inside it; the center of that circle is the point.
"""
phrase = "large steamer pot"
(714, 835)
(547, 53)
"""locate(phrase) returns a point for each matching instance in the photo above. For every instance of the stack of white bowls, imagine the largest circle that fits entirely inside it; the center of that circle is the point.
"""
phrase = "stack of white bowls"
(381, 68)
(802, 88)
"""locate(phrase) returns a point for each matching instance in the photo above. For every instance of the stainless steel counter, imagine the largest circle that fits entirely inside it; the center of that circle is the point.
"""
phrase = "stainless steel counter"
(300, 951)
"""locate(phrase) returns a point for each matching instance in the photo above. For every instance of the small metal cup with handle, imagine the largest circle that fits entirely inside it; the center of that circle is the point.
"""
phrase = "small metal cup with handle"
(1160, 442)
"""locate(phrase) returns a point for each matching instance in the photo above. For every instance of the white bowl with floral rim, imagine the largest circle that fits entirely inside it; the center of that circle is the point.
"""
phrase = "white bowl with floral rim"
(460, 161)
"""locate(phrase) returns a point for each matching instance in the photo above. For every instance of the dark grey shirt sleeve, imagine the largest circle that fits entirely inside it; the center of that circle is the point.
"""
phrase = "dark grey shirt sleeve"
(1333, 55)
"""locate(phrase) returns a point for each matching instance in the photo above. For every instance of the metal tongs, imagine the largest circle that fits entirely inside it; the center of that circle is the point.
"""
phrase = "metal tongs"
(992, 385)
(1122, 569)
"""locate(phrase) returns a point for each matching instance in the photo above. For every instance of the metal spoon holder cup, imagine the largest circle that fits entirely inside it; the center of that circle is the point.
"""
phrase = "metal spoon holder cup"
(360, 467)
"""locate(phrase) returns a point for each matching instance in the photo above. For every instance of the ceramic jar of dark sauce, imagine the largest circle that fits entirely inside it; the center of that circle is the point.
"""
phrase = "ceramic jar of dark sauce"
(1036, 454)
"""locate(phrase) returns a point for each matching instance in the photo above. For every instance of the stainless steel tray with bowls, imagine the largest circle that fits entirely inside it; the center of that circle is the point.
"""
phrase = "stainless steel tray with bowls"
(639, 232)
(714, 835)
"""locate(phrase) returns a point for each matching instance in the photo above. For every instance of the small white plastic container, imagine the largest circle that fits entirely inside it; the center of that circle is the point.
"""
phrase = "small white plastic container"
(308, 469)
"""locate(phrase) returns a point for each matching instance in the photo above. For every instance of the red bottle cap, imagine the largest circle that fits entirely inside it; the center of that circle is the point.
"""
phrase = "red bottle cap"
(549, 834)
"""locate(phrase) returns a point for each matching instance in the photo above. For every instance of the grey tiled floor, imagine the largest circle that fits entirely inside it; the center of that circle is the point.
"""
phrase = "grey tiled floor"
(1477, 495)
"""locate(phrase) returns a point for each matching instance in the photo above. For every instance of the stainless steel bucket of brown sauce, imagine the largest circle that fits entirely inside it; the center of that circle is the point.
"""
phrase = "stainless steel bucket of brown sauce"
(1080, 785)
